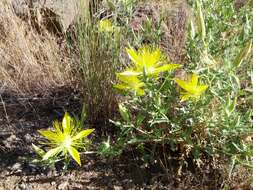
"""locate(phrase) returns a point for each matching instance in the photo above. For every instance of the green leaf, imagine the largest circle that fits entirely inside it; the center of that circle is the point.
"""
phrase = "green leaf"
(38, 150)
(124, 112)
(140, 118)
(83, 134)
(75, 154)
(243, 54)
(52, 153)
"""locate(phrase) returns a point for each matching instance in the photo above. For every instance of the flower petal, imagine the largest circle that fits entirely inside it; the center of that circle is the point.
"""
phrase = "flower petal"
(74, 154)
(52, 153)
(133, 55)
(194, 79)
(50, 135)
(67, 123)
(128, 73)
(83, 134)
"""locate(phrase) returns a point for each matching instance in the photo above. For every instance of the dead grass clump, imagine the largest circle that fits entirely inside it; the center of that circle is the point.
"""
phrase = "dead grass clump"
(29, 63)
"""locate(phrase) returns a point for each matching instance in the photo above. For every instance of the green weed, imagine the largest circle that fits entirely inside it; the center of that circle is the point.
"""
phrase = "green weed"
(205, 114)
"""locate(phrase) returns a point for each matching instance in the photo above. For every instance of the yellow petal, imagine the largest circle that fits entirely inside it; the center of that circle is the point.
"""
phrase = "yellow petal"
(184, 84)
(52, 153)
(128, 73)
(185, 97)
(140, 92)
(74, 154)
(120, 86)
(67, 123)
(202, 88)
(133, 55)
(83, 134)
(50, 135)
(194, 79)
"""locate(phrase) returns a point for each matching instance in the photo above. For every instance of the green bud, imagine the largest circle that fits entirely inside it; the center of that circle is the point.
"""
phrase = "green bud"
(243, 54)
(201, 21)
(124, 112)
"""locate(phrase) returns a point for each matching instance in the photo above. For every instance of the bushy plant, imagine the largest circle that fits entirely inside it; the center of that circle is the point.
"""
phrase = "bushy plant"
(200, 111)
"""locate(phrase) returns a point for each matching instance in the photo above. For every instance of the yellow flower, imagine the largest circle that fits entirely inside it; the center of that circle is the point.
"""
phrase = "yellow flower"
(148, 61)
(131, 83)
(105, 26)
(191, 88)
(65, 139)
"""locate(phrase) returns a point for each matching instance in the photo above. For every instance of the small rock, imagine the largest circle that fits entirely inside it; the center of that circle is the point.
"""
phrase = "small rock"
(52, 14)
(53, 183)
(63, 186)
(115, 187)
(16, 168)
(28, 138)
(23, 186)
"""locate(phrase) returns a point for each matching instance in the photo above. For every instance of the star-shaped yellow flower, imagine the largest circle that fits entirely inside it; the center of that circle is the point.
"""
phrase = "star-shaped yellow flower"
(130, 83)
(65, 139)
(105, 26)
(148, 61)
(191, 88)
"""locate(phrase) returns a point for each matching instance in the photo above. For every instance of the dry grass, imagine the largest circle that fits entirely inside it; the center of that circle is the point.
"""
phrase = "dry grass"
(175, 15)
(31, 63)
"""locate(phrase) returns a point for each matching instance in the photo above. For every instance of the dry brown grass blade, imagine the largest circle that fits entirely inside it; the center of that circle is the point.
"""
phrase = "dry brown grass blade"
(30, 63)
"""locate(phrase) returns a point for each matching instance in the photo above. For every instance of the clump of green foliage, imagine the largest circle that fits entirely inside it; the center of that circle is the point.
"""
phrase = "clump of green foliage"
(64, 140)
(200, 111)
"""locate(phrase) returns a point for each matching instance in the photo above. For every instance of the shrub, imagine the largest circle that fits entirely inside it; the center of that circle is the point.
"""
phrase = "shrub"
(203, 114)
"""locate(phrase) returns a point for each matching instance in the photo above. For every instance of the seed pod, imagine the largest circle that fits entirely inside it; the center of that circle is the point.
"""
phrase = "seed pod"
(111, 5)
(124, 112)
(201, 21)
(243, 54)
(192, 30)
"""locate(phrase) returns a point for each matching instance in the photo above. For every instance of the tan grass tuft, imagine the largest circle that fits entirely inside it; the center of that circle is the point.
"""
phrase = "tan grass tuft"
(30, 63)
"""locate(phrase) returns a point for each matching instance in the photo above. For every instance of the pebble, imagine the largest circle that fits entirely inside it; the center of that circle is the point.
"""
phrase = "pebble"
(63, 186)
